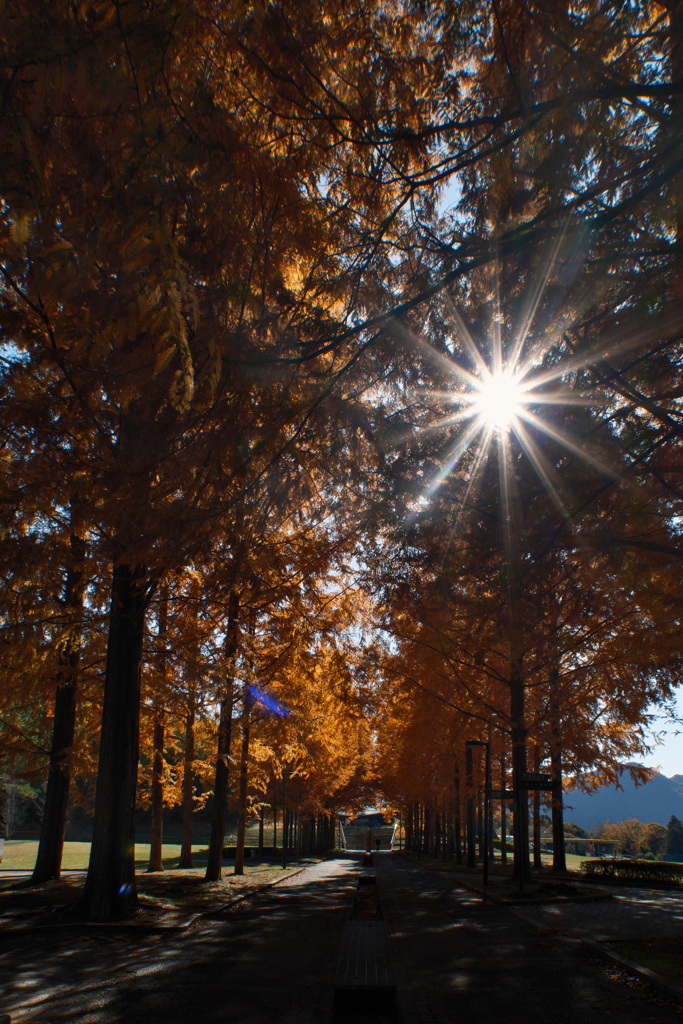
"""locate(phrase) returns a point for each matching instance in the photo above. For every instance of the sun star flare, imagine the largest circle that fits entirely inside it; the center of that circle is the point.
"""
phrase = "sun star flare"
(498, 401)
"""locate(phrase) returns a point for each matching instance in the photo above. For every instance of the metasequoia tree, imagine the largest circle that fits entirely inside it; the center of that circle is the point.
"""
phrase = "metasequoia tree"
(177, 687)
(51, 641)
(290, 598)
(320, 737)
(543, 628)
(158, 733)
(545, 128)
(172, 239)
(51, 638)
(49, 858)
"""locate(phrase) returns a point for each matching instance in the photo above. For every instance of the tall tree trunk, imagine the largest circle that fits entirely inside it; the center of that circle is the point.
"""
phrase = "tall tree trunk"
(188, 785)
(559, 856)
(519, 767)
(557, 795)
(220, 789)
(458, 816)
(285, 833)
(110, 890)
(157, 807)
(157, 795)
(427, 830)
(260, 830)
(469, 803)
(450, 826)
(244, 779)
(49, 859)
(538, 860)
(503, 812)
(188, 763)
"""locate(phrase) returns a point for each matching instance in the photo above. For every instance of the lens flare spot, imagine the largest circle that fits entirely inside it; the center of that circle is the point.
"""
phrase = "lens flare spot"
(269, 702)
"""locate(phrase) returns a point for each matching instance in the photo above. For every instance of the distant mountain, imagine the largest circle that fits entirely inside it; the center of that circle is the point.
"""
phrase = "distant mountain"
(655, 800)
(678, 783)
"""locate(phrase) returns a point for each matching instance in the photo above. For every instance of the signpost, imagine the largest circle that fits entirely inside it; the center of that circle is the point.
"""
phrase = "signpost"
(527, 781)
(535, 780)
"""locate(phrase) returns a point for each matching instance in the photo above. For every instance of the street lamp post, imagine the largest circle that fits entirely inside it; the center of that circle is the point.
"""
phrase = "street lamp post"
(469, 746)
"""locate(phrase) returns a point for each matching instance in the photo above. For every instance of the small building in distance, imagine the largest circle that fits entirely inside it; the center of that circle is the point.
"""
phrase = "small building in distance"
(585, 847)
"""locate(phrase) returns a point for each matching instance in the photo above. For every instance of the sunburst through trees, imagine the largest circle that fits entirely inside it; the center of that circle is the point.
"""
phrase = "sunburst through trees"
(214, 223)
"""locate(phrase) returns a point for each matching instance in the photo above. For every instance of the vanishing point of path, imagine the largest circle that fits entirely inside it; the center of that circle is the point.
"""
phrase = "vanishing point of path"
(276, 958)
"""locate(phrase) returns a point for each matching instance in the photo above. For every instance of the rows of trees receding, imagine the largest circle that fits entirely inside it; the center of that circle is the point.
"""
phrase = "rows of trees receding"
(256, 261)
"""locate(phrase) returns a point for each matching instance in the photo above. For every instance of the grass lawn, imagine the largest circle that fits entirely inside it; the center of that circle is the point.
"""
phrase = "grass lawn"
(20, 854)
(573, 862)
(664, 956)
(499, 884)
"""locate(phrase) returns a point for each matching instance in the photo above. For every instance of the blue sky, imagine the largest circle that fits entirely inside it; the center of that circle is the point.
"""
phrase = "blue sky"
(668, 757)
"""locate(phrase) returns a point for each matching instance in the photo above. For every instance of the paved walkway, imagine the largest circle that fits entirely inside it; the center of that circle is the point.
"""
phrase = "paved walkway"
(465, 959)
(631, 913)
(275, 957)
(267, 960)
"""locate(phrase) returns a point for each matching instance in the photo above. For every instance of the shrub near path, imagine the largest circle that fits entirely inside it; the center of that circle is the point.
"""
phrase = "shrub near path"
(633, 871)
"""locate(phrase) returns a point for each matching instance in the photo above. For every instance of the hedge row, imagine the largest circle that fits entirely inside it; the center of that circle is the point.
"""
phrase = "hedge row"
(633, 870)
